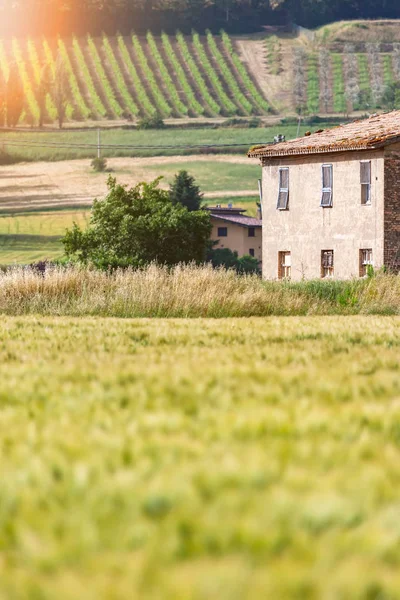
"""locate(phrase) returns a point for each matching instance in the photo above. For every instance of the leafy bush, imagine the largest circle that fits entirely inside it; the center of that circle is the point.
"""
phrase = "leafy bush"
(224, 257)
(99, 164)
(154, 121)
(137, 226)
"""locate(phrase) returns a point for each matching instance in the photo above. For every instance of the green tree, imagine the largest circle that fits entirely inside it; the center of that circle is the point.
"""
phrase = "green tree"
(185, 191)
(133, 227)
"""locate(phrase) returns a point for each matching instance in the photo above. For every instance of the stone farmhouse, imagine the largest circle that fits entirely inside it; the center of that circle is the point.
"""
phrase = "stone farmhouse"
(331, 201)
(234, 230)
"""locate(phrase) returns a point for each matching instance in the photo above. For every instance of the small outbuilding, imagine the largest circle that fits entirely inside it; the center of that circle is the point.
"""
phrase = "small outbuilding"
(331, 201)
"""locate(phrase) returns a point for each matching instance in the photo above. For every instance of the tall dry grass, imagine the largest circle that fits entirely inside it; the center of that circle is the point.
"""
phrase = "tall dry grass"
(187, 291)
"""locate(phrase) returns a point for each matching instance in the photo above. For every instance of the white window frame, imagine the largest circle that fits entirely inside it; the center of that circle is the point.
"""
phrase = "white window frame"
(327, 190)
(283, 190)
(366, 262)
(366, 184)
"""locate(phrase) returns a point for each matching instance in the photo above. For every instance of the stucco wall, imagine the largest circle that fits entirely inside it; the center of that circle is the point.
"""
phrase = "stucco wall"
(392, 208)
(306, 229)
(238, 238)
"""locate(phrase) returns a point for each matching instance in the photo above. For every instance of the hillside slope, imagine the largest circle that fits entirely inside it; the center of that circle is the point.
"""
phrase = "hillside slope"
(344, 68)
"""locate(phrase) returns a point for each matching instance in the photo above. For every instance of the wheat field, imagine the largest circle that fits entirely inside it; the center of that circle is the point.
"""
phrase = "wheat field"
(205, 459)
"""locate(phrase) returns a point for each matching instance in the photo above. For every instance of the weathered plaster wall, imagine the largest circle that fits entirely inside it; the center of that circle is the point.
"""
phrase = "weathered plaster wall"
(392, 208)
(306, 228)
(238, 238)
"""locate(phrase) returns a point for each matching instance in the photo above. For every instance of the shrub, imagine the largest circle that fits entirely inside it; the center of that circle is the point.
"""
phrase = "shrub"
(154, 121)
(224, 257)
(99, 164)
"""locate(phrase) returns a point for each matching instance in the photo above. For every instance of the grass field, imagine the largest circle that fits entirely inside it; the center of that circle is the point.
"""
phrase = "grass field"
(248, 458)
(31, 146)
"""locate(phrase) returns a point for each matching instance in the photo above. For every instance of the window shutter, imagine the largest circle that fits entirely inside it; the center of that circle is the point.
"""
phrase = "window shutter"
(327, 185)
(365, 172)
(283, 196)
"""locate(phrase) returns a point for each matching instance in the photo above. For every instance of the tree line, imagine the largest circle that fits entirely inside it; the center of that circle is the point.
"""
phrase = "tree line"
(52, 17)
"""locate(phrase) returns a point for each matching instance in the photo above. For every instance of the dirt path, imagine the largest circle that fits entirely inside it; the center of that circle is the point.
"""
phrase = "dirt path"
(30, 186)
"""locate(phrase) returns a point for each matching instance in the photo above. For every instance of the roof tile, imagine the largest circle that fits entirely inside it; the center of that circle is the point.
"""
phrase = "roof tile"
(366, 134)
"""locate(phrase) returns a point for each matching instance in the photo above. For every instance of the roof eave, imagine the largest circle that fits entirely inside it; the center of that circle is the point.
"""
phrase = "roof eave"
(260, 154)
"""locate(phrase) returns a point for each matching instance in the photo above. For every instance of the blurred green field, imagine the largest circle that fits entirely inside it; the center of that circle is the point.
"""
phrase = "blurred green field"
(52, 223)
(206, 459)
(167, 137)
(28, 238)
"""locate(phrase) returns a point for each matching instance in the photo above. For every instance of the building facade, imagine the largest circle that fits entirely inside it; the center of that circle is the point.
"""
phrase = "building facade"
(331, 201)
(232, 229)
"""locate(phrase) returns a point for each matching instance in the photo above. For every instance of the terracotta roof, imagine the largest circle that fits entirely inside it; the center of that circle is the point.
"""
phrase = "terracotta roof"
(366, 134)
(239, 220)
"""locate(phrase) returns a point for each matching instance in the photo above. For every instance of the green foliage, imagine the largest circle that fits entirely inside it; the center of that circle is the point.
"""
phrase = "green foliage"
(339, 99)
(83, 109)
(184, 191)
(25, 81)
(273, 49)
(228, 106)
(38, 71)
(119, 78)
(174, 95)
(387, 69)
(313, 85)
(391, 97)
(248, 82)
(229, 76)
(224, 257)
(158, 94)
(213, 107)
(99, 164)
(143, 99)
(134, 227)
(97, 103)
(154, 121)
(194, 105)
(104, 80)
(365, 101)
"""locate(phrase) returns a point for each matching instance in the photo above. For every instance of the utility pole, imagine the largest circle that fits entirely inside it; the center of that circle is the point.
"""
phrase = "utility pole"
(99, 143)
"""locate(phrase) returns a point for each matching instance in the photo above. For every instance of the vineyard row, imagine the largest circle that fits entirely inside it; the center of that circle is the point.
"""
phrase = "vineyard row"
(125, 78)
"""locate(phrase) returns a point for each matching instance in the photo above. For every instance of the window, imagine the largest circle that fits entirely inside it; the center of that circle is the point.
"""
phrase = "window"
(327, 186)
(365, 179)
(252, 232)
(283, 196)
(327, 263)
(365, 261)
(251, 252)
(284, 265)
(222, 232)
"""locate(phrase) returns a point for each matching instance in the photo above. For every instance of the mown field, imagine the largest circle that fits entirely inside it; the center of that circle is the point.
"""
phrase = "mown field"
(202, 459)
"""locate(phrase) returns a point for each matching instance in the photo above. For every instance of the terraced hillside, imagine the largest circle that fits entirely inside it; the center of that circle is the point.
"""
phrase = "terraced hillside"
(128, 77)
